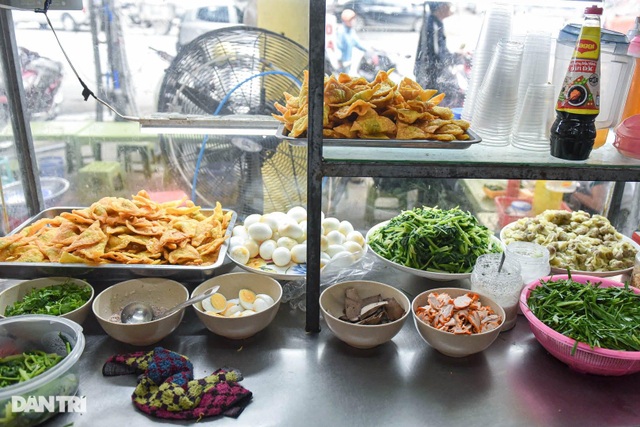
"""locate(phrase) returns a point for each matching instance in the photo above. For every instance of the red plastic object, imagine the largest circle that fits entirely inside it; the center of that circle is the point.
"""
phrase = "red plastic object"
(636, 237)
(166, 196)
(505, 216)
(598, 361)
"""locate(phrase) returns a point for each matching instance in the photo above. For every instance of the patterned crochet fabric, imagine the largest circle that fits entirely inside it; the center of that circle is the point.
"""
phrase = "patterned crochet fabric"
(166, 388)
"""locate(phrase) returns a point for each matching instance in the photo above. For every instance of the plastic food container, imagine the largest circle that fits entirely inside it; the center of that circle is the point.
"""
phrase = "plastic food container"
(40, 332)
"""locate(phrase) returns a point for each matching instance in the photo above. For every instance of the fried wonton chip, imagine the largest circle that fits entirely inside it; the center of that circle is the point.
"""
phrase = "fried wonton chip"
(373, 124)
(351, 103)
(117, 230)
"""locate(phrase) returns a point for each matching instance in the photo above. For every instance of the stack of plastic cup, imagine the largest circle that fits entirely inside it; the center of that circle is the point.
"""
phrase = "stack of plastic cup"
(536, 60)
(495, 27)
(497, 100)
(533, 120)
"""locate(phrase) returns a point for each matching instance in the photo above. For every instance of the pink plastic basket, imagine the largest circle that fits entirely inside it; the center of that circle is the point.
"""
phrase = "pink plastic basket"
(595, 360)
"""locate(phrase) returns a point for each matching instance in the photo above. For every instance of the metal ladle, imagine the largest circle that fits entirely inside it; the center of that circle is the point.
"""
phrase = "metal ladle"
(141, 312)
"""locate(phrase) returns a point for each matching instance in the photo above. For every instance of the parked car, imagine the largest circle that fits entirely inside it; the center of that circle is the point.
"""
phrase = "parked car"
(68, 20)
(211, 16)
(391, 14)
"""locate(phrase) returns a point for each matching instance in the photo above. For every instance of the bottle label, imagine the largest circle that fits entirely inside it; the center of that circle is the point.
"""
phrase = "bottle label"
(580, 93)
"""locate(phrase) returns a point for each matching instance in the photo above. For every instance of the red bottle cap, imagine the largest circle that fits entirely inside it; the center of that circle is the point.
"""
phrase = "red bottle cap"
(593, 10)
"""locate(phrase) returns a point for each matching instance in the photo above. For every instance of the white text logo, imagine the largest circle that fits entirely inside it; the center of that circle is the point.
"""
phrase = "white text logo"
(49, 404)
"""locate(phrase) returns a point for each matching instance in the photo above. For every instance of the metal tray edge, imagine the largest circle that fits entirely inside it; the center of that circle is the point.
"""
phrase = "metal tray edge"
(386, 143)
(16, 269)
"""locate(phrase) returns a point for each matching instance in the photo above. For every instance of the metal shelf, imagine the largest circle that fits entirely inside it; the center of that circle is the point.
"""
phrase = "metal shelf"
(477, 161)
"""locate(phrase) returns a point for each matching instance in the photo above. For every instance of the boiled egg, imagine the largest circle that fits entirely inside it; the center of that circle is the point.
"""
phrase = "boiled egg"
(356, 236)
(290, 229)
(253, 247)
(247, 297)
(286, 242)
(281, 256)
(330, 224)
(298, 213)
(260, 231)
(236, 241)
(239, 230)
(260, 305)
(299, 254)
(271, 220)
(247, 313)
(334, 249)
(232, 310)
(266, 298)
(335, 237)
(240, 253)
(345, 228)
(267, 247)
(216, 303)
(324, 243)
(252, 219)
(352, 247)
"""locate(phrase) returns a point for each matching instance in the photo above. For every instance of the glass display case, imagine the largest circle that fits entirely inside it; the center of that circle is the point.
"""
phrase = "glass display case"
(146, 71)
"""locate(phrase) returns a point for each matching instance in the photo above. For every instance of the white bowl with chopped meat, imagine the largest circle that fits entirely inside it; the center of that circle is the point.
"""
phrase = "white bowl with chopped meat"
(363, 313)
(457, 322)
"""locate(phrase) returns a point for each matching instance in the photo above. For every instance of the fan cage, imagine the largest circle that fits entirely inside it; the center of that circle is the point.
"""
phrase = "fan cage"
(236, 67)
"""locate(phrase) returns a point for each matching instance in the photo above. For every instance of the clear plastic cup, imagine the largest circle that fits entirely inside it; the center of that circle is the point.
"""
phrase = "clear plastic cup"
(532, 258)
(533, 119)
(504, 286)
(496, 26)
(497, 100)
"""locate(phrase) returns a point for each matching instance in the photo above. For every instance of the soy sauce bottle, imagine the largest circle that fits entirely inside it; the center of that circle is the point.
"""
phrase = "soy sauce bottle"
(574, 130)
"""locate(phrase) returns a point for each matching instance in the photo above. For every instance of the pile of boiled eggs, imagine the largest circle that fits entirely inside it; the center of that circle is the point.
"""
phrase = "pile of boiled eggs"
(282, 238)
(247, 303)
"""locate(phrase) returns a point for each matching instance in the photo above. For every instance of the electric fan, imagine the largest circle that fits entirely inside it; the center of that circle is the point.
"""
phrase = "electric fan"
(231, 72)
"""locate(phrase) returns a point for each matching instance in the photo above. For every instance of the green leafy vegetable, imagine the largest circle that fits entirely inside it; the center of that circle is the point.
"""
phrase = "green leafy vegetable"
(433, 239)
(22, 367)
(600, 317)
(54, 300)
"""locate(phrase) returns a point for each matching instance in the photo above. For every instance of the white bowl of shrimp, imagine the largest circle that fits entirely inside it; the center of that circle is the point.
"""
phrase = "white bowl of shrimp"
(457, 322)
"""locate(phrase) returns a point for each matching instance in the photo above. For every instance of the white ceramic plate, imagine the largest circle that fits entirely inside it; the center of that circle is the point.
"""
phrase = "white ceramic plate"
(294, 271)
(433, 275)
(558, 270)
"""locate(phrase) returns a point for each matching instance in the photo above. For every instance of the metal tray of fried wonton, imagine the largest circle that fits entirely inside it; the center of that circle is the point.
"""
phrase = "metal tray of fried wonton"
(474, 138)
(111, 273)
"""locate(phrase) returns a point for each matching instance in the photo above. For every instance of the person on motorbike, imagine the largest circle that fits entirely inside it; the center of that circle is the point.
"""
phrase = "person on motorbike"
(434, 61)
(347, 39)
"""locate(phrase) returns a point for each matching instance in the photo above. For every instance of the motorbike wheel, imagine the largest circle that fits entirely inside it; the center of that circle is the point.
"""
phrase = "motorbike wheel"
(68, 24)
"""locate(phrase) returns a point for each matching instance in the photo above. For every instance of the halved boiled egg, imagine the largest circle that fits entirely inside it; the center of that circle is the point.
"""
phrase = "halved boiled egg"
(216, 303)
(247, 298)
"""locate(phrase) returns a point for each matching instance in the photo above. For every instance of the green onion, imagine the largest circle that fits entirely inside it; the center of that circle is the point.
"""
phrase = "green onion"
(22, 367)
(600, 317)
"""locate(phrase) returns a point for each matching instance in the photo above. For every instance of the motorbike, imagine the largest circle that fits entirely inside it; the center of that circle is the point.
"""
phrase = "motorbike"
(41, 80)
(370, 63)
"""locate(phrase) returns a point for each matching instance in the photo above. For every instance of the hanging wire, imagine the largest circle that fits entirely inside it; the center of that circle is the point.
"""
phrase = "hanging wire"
(86, 92)
(194, 183)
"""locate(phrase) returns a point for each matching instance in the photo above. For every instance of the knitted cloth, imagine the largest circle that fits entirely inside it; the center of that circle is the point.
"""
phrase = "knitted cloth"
(166, 388)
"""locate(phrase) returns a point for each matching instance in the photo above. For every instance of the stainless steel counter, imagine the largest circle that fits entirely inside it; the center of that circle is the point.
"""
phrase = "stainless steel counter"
(316, 380)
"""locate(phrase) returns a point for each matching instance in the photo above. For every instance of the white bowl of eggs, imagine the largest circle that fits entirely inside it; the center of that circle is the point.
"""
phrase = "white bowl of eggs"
(275, 243)
(245, 304)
